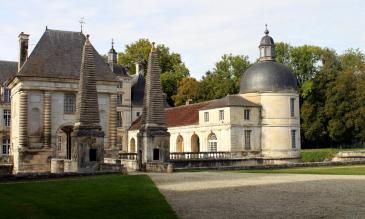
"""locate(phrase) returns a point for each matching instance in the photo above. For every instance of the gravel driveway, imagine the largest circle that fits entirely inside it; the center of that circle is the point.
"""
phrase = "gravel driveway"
(250, 195)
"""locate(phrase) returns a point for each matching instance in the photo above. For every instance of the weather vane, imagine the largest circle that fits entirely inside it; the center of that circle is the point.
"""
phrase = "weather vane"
(82, 22)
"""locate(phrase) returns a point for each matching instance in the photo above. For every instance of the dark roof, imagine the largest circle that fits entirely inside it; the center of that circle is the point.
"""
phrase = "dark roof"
(178, 116)
(138, 84)
(267, 41)
(229, 101)
(58, 55)
(268, 76)
(120, 70)
(7, 70)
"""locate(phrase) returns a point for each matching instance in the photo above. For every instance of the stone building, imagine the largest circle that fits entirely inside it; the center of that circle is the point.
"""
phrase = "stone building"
(263, 118)
(43, 100)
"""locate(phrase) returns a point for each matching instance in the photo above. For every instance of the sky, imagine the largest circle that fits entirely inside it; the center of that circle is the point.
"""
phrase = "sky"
(200, 30)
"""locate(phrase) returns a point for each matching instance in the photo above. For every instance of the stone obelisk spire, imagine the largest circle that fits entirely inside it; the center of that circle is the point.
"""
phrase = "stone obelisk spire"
(87, 103)
(153, 138)
(153, 114)
(87, 150)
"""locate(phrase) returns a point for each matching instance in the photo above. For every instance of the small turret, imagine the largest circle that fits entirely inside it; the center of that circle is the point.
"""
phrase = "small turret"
(112, 56)
(267, 47)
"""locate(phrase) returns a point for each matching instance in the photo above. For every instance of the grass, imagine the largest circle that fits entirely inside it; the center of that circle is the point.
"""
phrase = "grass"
(319, 155)
(342, 170)
(111, 196)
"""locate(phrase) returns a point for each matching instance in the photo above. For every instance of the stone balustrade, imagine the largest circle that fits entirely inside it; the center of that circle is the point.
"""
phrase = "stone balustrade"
(128, 156)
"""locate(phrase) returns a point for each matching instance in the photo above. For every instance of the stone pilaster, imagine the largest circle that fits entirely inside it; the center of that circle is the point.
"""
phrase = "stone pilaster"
(23, 119)
(47, 119)
(112, 121)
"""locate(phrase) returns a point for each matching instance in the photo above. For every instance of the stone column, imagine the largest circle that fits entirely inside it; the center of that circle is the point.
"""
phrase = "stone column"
(47, 119)
(112, 121)
(23, 119)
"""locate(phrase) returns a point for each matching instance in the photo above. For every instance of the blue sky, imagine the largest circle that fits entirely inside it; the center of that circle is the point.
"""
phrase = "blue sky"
(200, 30)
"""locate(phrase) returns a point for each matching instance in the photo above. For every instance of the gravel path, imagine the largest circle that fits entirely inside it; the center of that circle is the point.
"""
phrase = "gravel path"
(249, 195)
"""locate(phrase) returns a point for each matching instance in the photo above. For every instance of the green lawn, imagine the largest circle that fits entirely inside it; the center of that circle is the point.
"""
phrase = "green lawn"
(110, 196)
(338, 170)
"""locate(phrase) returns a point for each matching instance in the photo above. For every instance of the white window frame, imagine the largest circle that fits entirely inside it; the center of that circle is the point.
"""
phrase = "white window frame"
(247, 114)
(206, 116)
(292, 106)
(221, 115)
(293, 138)
(69, 106)
(119, 99)
(7, 117)
(247, 136)
(213, 143)
(6, 146)
(7, 95)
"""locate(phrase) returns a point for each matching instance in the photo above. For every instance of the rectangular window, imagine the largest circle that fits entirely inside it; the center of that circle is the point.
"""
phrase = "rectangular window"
(292, 102)
(293, 138)
(7, 95)
(247, 114)
(221, 115)
(120, 85)
(119, 99)
(138, 113)
(247, 139)
(206, 116)
(70, 103)
(7, 118)
(119, 119)
(6, 146)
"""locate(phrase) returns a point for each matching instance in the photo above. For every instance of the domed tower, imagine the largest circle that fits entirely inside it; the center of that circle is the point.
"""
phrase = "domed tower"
(274, 87)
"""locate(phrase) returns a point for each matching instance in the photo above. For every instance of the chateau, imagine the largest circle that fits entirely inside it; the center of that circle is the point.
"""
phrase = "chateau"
(65, 86)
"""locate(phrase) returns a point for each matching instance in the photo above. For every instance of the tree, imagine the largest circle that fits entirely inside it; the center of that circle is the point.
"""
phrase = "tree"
(225, 77)
(187, 90)
(172, 67)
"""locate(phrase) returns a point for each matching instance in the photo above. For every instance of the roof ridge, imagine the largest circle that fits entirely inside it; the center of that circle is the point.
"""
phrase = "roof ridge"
(69, 31)
(8, 61)
(191, 104)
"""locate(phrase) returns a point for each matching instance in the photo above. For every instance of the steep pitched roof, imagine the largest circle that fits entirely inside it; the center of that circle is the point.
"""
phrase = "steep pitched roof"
(7, 70)
(58, 55)
(178, 116)
(230, 100)
(138, 84)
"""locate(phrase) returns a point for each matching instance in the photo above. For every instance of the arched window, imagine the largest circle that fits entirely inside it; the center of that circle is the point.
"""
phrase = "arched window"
(212, 142)
(132, 146)
(179, 144)
(195, 144)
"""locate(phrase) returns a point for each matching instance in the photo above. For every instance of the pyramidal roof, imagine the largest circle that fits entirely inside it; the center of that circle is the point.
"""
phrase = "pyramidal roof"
(58, 55)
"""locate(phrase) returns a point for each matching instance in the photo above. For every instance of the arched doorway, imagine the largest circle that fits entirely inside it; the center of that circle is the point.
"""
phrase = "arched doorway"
(212, 142)
(63, 141)
(132, 146)
(195, 144)
(179, 144)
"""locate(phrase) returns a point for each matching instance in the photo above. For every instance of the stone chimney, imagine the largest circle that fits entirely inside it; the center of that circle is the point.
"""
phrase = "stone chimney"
(23, 49)
(188, 102)
(137, 67)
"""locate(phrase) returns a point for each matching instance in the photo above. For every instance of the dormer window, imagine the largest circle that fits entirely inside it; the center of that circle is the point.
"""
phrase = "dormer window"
(120, 85)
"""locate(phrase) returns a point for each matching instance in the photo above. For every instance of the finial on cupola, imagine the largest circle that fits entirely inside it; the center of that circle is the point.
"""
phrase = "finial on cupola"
(266, 32)
(153, 48)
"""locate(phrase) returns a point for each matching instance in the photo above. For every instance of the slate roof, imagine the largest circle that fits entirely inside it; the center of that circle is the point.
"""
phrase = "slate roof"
(178, 116)
(120, 70)
(7, 70)
(58, 55)
(229, 101)
(138, 84)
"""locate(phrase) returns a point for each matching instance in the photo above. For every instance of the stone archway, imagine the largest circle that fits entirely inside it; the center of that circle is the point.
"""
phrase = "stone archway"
(63, 141)
(195, 143)
(179, 144)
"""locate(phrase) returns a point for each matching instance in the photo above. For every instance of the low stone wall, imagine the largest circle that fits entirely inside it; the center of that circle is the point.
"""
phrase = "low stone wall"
(350, 155)
(255, 163)
(159, 167)
(130, 165)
